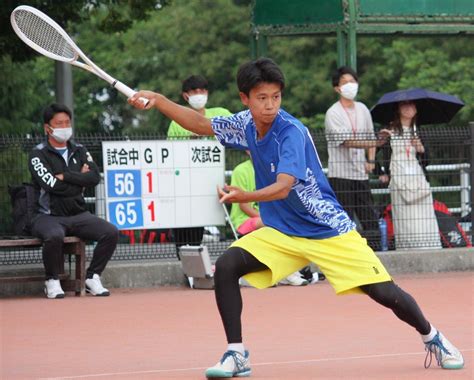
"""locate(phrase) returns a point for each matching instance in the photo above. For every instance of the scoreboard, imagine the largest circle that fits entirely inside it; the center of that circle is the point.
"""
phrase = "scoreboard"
(163, 184)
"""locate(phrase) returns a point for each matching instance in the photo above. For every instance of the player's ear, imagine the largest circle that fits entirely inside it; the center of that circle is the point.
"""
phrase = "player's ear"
(185, 96)
(46, 128)
(244, 98)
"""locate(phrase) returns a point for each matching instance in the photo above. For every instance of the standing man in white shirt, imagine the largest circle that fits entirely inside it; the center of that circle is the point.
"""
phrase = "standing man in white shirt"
(351, 148)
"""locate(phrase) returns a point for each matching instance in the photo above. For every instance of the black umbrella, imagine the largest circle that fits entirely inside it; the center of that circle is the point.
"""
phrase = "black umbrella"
(432, 107)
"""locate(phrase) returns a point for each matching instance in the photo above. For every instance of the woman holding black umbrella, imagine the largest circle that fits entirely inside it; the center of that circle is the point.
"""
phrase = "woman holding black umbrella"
(403, 166)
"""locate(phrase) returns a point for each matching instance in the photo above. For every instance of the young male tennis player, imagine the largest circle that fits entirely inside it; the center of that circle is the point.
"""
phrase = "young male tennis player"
(303, 220)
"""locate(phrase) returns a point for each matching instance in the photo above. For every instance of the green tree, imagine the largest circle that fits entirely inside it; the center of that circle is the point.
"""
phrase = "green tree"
(385, 64)
(205, 37)
(25, 89)
(436, 63)
(156, 49)
(28, 78)
(116, 15)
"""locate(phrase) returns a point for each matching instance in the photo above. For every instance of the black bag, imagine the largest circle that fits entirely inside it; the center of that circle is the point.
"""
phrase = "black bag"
(24, 200)
(451, 232)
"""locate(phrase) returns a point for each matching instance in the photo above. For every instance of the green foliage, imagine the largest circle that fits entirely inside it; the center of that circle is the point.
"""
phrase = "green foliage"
(115, 15)
(153, 44)
(437, 69)
(24, 91)
(120, 15)
(180, 40)
(437, 64)
(59, 10)
(309, 91)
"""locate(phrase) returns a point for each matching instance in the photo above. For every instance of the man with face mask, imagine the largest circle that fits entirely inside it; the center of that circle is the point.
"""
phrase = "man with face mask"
(351, 149)
(61, 169)
(194, 91)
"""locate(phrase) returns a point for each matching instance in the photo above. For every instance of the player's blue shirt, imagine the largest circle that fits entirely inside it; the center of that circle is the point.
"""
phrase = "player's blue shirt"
(311, 209)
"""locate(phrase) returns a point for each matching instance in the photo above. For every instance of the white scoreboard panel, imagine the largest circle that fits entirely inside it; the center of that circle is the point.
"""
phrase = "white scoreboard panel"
(163, 184)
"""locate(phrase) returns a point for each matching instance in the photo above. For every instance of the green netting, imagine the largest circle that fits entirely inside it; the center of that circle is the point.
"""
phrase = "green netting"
(416, 8)
(297, 12)
(280, 17)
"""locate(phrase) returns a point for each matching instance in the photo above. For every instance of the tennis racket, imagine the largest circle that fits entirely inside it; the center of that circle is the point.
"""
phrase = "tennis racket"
(43, 34)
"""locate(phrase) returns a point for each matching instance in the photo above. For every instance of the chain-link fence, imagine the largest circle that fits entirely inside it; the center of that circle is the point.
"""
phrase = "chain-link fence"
(448, 168)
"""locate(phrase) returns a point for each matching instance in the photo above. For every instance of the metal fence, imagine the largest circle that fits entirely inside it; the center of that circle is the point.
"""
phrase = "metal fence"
(449, 172)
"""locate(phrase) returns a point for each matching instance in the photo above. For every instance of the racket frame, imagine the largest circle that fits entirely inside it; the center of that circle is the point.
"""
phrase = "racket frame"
(88, 65)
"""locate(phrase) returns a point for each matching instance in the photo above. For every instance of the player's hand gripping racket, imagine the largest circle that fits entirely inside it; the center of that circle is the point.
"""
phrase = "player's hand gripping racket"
(44, 35)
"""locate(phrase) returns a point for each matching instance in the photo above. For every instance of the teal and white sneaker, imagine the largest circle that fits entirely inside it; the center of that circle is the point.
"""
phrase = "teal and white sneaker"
(447, 356)
(232, 364)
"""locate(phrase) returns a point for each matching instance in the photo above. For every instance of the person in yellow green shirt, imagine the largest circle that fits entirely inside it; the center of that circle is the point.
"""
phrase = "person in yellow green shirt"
(195, 92)
(245, 216)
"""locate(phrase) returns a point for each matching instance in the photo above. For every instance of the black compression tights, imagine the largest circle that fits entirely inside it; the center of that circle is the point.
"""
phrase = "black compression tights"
(236, 262)
(230, 266)
(403, 305)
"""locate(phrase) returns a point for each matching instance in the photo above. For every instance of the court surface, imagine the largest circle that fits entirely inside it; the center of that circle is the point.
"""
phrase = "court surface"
(291, 332)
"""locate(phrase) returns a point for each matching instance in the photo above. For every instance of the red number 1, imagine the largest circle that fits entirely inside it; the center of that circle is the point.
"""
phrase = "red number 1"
(151, 207)
(150, 184)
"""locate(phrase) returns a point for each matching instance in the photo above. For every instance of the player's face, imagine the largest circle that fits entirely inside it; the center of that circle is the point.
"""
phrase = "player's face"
(263, 101)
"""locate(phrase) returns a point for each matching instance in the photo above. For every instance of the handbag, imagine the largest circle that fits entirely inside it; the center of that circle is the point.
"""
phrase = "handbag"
(412, 188)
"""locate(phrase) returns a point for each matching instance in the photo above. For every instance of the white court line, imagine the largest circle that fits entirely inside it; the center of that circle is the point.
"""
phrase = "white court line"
(253, 365)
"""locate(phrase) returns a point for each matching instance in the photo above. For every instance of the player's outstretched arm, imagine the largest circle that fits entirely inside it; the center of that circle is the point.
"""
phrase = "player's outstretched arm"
(186, 117)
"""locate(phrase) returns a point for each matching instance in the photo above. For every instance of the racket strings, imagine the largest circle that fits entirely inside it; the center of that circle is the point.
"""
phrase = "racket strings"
(43, 34)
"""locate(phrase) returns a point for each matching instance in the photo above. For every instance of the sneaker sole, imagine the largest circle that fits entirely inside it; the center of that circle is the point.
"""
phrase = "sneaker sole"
(302, 284)
(244, 374)
(218, 375)
(57, 296)
(453, 366)
(215, 373)
(105, 294)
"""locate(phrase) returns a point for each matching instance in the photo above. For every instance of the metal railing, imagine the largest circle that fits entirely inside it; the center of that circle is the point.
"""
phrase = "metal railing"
(452, 163)
(464, 188)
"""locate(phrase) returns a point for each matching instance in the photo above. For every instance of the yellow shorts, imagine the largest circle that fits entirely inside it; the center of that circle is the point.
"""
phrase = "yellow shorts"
(346, 260)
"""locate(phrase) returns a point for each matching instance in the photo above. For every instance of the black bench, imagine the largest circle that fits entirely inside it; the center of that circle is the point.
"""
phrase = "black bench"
(72, 246)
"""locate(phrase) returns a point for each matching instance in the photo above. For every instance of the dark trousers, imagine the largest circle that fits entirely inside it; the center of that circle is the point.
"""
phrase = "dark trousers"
(355, 197)
(53, 229)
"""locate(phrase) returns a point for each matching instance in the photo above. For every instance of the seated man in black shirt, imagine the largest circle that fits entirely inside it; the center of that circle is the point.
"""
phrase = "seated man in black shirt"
(61, 169)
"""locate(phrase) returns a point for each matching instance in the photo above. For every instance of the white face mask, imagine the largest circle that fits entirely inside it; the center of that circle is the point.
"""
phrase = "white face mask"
(61, 135)
(349, 90)
(197, 101)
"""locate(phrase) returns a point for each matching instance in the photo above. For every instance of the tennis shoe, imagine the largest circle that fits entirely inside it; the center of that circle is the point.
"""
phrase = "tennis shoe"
(447, 356)
(232, 364)
(52, 289)
(317, 277)
(294, 279)
(94, 286)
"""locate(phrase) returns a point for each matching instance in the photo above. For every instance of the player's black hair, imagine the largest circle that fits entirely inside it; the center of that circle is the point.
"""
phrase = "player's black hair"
(53, 109)
(194, 82)
(252, 73)
(339, 72)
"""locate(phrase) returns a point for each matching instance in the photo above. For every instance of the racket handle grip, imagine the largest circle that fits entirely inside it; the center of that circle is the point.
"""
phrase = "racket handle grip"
(127, 91)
